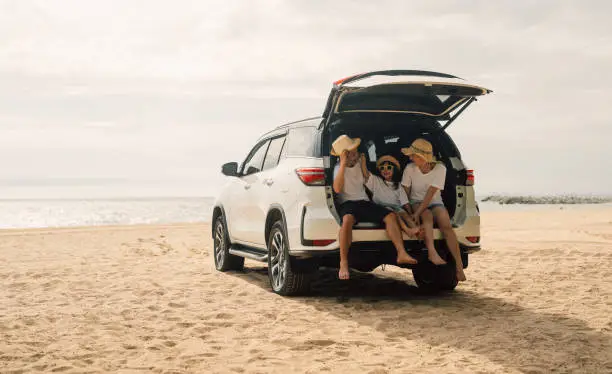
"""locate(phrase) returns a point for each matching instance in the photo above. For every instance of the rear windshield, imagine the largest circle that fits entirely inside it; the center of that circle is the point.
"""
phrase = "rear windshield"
(387, 133)
(303, 142)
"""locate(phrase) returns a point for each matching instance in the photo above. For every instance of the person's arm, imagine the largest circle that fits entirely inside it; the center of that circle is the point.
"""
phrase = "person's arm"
(339, 177)
(431, 191)
(364, 169)
(407, 186)
(403, 197)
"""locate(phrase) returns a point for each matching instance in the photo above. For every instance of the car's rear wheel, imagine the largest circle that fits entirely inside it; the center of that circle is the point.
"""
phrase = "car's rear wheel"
(224, 261)
(286, 277)
(432, 278)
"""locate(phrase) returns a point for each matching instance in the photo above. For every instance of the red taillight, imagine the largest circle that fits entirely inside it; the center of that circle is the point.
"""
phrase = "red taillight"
(311, 176)
(473, 239)
(322, 243)
(470, 178)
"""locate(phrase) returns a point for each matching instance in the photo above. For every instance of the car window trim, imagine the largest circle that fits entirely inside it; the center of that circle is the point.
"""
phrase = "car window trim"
(284, 136)
(252, 153)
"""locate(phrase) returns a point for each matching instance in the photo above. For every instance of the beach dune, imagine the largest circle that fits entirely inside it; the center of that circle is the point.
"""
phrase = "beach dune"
(147, 298)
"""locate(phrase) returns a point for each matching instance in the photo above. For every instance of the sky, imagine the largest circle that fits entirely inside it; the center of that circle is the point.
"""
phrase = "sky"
(150, 98)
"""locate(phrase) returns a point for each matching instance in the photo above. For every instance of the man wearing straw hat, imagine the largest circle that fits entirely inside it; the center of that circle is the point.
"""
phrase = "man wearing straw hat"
(355, 205)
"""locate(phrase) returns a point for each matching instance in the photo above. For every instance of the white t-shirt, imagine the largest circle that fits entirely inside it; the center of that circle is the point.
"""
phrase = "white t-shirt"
(353, 184)
(420, 183)
(384, 194)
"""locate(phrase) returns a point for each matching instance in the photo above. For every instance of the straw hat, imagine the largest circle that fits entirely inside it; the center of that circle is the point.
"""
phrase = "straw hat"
(421, 148)
(344, 143)
(387, 158)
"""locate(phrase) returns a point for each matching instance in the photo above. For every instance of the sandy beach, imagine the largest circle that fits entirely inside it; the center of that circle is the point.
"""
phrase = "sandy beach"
(148, 299)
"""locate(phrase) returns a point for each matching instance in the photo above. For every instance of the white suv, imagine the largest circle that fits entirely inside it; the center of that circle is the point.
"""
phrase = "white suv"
(279, 206)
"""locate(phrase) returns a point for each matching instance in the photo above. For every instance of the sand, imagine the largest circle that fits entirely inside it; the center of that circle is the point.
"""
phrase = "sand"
(148, 299)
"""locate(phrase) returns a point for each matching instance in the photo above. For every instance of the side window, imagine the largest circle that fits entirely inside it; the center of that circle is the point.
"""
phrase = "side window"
(254, 162)
(274, 151)
(302, 141)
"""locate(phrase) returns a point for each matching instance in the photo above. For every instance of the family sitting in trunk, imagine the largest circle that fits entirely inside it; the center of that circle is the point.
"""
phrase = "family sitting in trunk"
(416, 201)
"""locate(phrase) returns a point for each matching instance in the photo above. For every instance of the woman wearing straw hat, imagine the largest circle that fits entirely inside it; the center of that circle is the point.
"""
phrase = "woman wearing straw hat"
(355, 205)
(424, 178)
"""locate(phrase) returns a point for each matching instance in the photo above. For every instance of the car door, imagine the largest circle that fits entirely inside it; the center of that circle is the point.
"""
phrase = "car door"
(243, 205)
(271, 188)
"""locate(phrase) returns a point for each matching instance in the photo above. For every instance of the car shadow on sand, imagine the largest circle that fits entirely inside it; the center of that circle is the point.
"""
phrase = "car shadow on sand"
(504, 332)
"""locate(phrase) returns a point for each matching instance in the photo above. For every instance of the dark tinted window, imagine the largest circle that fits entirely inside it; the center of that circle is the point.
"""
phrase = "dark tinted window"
(302, 141)
(254, 162)
(274, 151)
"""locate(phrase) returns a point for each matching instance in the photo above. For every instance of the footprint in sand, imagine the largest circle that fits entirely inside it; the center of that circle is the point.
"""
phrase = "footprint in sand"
(342, 353)
(313, 344)
(61, 368)
(378, 371)
(148, 247)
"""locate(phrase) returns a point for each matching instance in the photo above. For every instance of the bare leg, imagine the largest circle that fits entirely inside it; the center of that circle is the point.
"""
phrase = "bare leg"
(443, 220)
(432, 253)
(346, 237)
(407, 224)
(404, 226)
(394, 233)
(410, 210)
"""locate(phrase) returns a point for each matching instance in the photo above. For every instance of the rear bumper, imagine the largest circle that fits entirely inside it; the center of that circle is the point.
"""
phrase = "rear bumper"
(370, 246)
(372, 254)
(314, 221)
(317, 223)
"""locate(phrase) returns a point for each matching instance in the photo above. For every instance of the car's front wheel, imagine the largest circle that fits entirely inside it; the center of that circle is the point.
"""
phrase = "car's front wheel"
(224, 261)
(285, 279)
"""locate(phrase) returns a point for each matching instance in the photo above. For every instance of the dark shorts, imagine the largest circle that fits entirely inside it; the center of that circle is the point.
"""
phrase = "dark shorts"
(364, 211)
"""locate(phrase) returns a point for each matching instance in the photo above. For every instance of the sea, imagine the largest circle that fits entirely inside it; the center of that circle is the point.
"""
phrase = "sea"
(39, 213)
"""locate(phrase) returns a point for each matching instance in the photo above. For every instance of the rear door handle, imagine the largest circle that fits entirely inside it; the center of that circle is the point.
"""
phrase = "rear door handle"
(247, 186)
(269, 182)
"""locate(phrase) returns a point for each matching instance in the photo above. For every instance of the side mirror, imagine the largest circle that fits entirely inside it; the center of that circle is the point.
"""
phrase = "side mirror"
(230, 169)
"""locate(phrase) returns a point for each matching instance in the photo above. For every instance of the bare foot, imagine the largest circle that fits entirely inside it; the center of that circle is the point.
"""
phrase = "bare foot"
(461, 275)
(435, 258)
(405, 258)
(344, 274)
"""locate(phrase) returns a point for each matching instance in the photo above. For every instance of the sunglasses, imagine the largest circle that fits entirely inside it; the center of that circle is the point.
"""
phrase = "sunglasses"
(385, 167)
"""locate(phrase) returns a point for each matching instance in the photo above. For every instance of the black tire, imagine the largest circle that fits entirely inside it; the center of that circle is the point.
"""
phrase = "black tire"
(432, 278)
(224, 261)
(286, 277)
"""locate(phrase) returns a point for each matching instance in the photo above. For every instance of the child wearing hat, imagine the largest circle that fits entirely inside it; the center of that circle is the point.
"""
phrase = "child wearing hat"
(354, 204)
(424, 178)
(386, 190)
